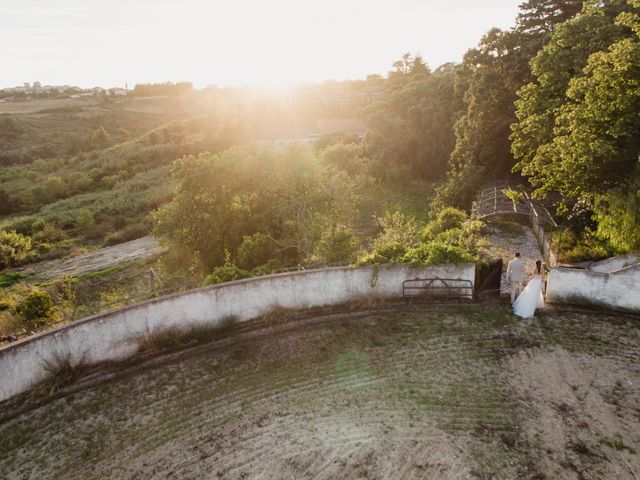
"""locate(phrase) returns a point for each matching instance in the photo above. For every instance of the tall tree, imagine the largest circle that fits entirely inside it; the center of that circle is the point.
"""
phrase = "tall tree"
(490, 76)
(411, 126)
(594, 152)
(539, 102)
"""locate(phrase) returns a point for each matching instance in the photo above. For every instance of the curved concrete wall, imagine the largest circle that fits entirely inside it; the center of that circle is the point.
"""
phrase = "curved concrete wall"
(610, 265)
(618, 290)
(112, 335)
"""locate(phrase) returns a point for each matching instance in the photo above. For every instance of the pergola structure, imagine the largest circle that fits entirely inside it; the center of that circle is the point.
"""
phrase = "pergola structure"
(492, 200)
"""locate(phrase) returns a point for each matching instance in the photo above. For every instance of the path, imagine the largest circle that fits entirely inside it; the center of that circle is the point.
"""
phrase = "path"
(97, 260)
(504, 239)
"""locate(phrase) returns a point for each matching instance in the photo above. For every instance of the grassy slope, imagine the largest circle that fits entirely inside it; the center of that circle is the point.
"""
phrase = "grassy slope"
(61, 126)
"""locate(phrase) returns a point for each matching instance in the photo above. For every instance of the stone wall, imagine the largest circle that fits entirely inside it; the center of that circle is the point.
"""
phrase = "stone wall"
(115, 335)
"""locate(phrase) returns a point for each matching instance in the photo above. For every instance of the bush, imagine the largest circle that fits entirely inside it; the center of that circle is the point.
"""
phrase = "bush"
(14, 248)
(132, 232)
(226, 273)
(338, 246)
(391, 252)
(84, 218)
(446, 219)
(36, 308)
(269, 267)
(398, 228)
(255, 250)
(348, 158)
(38, 225)
(438, 252)
(49, 233)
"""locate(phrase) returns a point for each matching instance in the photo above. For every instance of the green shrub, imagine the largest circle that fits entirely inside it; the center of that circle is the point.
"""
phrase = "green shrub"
(36, 308)
(5, 305)
(255, 250)
(269, 267)
(226, 273)
(438, 252)
(38, 225)
(391, 252)
(84, 218)
(50, 233)
(446, 219)
(337, 246)
(14, 248)
(398, 228)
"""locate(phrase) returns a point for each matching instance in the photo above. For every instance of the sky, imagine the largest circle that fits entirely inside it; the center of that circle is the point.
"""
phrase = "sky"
(232, 42)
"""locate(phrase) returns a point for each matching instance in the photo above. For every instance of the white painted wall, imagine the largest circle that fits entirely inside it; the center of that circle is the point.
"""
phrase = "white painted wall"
(609, 265)
(619, 289)
(112, 335)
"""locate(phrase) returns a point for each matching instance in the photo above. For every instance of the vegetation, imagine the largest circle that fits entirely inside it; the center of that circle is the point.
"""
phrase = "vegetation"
(553, 100)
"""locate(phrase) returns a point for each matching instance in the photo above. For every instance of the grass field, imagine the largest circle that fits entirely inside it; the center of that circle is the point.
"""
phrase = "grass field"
(449, 392)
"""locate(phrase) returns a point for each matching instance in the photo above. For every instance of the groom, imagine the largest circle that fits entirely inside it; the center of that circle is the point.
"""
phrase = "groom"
(515, 275)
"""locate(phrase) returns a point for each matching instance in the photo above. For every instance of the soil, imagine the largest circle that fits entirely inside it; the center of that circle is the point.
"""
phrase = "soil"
(416, 393)
(96, 260)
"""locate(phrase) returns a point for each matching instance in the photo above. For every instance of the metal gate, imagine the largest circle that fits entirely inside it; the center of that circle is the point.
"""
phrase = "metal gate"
(438, 290)
(489, 277)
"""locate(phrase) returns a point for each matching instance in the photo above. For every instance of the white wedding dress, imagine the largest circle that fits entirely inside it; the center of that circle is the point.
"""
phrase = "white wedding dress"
(530, 299)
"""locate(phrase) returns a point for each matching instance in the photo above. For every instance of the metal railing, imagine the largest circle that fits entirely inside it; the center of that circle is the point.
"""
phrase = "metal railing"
(438, 290)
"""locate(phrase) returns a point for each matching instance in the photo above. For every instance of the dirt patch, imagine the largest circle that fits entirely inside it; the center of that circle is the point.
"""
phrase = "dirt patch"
(97, 260)
(584, 412)
(512, 344)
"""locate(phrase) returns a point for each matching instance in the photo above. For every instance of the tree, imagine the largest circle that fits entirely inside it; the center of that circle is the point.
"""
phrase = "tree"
(596, 148)
(411, 125)
(220, 199)
(488, 80)
(256, 250)
(540, 102)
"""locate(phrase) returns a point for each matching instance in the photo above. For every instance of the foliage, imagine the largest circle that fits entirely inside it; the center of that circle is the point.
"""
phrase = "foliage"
(451, 237)
(446, 219)
(398, 228)
(222, 198)
(410, 126)
(579, 127)
(36, 308)
(255, 250)
(337, 137)
(436, 252)
(226, 273)
(487, 81)
(100, 138)
(338, 245)
(349, 158)
(14, 248)
(84, 218)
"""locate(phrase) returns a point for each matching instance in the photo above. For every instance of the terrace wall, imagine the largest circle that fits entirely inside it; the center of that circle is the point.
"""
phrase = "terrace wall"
(617, 290)
(114, 335)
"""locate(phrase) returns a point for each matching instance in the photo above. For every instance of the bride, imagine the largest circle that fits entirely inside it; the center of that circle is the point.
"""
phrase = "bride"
(531, 297)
